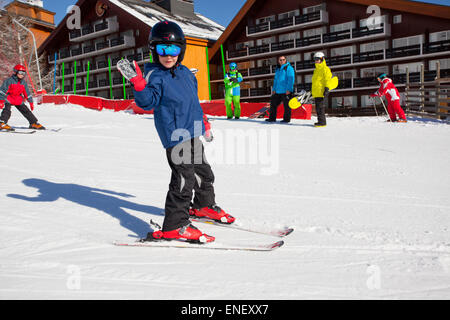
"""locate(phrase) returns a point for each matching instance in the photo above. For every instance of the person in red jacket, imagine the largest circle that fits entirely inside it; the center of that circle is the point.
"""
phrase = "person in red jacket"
(13, 91)
(388, 89)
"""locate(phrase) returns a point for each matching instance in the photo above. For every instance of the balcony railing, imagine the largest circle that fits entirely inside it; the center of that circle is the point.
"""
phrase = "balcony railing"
(368, 56)
(294, 22)
(339, 60)
(259, 49)
(326, 39)
(437, 46)
(403, 51)
(101, 26)
(259, 71)
(102, 45)
(283, 45)
(93, 31)
(336, 36)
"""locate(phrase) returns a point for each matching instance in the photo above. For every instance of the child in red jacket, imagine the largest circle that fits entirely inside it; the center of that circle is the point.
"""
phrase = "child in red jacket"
(14, 90)
(388, 88)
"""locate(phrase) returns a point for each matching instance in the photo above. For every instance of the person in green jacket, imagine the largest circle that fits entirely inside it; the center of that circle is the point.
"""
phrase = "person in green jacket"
(233, 91)
(321, 83)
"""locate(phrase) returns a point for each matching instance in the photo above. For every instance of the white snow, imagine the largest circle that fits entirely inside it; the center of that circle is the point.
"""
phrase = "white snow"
(201, 27)
(369, 201)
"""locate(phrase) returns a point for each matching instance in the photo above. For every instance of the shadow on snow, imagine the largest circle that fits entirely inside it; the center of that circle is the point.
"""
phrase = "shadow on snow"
(100, 199)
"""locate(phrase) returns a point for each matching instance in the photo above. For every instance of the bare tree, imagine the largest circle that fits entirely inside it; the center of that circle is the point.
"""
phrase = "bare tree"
(16, 47)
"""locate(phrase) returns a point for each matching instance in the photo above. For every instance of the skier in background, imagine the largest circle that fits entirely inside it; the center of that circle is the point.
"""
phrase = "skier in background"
(14, 90)
(388, 89)
(320, 87)
(233, 92)
(170, 89)
(283, 87)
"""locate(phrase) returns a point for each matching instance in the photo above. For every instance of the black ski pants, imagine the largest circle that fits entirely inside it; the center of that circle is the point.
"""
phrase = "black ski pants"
(190, 173)
(320, 110)
(6, 113)
(275, 100)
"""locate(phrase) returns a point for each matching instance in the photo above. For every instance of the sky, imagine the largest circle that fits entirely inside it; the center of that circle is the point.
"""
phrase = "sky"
(219, 11)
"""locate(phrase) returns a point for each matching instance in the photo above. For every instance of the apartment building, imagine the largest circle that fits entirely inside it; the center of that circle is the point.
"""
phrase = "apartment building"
(360, 38)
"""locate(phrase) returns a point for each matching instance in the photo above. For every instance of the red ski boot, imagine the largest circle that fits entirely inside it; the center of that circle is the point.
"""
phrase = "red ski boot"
(187, 233)
(213, 212)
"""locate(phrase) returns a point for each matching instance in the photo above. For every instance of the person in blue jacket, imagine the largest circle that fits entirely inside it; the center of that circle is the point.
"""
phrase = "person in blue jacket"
(283, 87)
(170, 89)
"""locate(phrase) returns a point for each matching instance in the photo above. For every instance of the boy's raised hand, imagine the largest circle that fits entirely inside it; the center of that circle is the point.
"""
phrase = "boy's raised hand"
(132, 73)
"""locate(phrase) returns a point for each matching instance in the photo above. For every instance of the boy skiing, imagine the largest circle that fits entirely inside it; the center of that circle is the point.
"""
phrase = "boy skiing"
(170, 89)
(14, 90)
(388, 88)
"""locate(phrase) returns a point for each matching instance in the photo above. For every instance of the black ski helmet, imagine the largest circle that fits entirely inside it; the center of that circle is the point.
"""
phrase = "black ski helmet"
(167, 32)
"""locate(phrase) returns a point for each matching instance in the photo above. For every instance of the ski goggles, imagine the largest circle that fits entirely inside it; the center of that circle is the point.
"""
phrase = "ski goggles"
(21, 72)
(168, 50)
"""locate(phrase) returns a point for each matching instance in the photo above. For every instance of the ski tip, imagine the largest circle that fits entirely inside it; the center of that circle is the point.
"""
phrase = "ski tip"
(276, 245)
(287, 232)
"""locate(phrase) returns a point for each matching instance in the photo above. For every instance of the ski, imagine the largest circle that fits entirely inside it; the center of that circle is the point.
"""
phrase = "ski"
(281, 232)
(207, 246)
(19, 132)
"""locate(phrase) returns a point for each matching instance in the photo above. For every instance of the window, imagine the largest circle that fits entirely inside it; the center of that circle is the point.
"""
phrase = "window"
(339, 102)
(342, 26)
(308, 78)
(443, 64)
(407, 41)
(264, 41)
(373, 72)
(266, 62)
(289, 36)
(440, 36)
(243, 45)
(373, 46)
(289, 14)
(343, 51)
(314, 32)
(397, 19)
(346, 74)
(314, 8)
(293, 58)
(265, 19)
(401, 68)
(310, 55)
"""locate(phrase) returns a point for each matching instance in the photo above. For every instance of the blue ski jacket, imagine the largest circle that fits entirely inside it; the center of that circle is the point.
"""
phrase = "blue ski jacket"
(172, 93)
(284, 79)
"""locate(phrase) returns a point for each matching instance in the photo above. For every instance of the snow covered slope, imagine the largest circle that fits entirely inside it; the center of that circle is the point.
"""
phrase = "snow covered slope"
(369, 200)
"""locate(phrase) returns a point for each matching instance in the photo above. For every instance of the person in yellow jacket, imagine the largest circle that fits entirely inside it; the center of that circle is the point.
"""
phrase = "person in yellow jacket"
(321, 84)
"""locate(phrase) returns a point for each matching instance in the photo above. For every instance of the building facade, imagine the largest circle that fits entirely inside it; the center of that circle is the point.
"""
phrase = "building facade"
(360, 39)
(85, 58)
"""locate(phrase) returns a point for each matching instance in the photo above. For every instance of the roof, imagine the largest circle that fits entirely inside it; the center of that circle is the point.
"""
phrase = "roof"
(427, 9)
(149, 13)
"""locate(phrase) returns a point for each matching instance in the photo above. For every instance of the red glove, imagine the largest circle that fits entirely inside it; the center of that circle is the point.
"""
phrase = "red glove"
(138, 81)
(31, 106)
(373, 95)
(2, 104)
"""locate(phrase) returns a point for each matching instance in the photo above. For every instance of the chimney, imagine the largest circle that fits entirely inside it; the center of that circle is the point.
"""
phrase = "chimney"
(184, 8)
